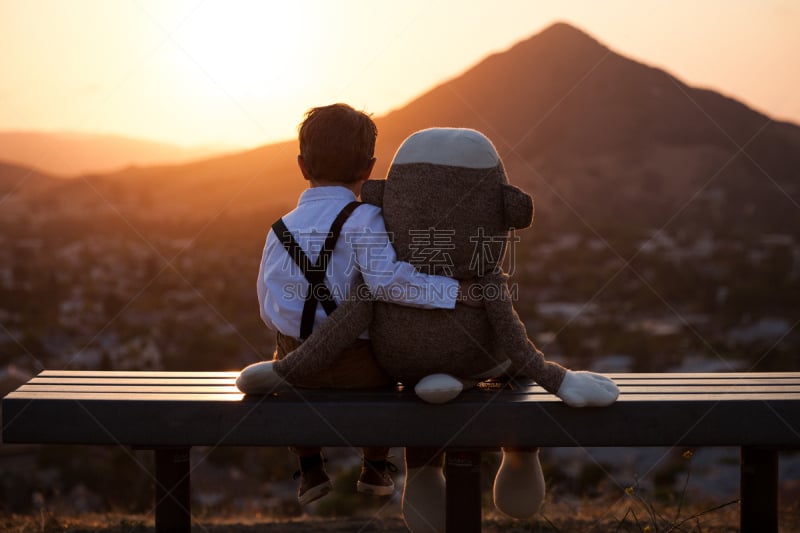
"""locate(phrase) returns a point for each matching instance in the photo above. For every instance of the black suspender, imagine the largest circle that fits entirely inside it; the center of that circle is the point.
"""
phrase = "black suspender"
(318, 292)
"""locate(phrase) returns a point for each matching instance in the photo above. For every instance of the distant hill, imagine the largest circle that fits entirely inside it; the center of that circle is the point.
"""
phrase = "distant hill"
(599, 140)
(70, 154)
(14, 179)
(260, 179)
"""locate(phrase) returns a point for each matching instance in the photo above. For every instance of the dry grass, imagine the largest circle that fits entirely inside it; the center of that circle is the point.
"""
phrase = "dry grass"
(623, 516)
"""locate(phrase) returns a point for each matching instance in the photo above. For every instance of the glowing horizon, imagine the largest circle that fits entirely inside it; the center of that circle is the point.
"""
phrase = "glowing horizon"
(242, 74)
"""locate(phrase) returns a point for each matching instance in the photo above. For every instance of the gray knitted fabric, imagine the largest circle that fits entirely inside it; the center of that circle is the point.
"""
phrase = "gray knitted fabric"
(449, 220)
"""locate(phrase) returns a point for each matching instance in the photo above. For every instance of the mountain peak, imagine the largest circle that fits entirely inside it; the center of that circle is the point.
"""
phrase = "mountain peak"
(592, 120)
(564, 30)
(561, 38)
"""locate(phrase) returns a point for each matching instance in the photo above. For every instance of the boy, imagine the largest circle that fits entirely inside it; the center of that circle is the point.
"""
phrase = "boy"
(317, 254)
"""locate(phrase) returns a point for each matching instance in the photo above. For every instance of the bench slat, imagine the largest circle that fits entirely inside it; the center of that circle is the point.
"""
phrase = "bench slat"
(716, 389)
(67, 389)
(131, 381)
(714, 397)
(124, 396)
(713, 381)
(138, 374)
(698, 375)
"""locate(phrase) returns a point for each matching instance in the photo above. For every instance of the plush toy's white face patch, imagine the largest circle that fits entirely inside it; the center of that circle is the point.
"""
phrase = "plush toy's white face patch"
(457, 147)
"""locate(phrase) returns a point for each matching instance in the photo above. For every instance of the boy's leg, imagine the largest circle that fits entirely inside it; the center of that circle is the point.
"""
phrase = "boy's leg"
(356, 368)
(376, 472)
(314, 481)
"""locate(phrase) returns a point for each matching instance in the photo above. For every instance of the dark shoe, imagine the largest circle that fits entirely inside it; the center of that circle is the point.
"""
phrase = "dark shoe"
(314, 482)
(376, 478)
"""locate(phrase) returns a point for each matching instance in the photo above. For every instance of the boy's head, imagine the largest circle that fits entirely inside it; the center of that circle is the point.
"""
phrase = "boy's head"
(337, 144)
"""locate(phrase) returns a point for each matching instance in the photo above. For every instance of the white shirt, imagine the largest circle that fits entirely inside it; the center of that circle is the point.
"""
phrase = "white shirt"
(363, 251)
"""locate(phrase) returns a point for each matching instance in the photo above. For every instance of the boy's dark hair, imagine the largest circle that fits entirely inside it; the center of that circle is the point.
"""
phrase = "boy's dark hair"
(337, 142)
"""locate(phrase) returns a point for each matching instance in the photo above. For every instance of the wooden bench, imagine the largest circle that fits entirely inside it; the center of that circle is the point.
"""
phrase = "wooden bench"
(169, 412)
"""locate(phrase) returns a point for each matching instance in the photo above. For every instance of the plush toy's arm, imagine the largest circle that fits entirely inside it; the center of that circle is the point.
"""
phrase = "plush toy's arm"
(576, 389)
(320, 350)
(317, 353)
(512, 337)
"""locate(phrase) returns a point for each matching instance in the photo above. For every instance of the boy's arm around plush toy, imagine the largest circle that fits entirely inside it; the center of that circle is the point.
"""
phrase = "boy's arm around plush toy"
(577, 389)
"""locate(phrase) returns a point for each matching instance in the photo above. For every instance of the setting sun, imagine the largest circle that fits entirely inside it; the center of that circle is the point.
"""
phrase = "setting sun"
(235, 63)
(257, 49)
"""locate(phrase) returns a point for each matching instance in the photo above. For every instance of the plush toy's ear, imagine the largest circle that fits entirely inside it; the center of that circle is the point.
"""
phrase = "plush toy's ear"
(372, 192)
(518, 207)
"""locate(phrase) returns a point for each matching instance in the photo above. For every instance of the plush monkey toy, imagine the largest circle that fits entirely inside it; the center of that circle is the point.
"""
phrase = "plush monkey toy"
(450, 208)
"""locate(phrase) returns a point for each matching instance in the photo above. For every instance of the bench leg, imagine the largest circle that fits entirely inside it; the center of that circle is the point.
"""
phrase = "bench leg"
(173, 512)
(759, 490)
(463, 471)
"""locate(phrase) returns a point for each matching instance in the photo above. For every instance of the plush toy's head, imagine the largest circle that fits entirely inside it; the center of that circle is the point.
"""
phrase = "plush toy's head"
(448, 203)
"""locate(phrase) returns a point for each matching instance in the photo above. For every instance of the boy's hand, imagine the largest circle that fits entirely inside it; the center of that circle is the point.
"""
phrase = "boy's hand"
(470, 293)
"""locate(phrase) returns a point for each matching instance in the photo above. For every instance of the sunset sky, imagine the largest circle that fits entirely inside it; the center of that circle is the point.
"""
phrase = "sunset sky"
(241, 73)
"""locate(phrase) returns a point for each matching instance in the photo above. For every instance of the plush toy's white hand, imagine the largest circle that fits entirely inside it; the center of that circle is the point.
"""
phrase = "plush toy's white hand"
(258, 378)
(438, 388)
(587, 389)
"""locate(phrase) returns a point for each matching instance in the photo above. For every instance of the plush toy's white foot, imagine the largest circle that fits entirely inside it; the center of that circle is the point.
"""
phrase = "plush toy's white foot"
(258, 378)
(424, 500)
(438, 388)
(519, 484)
(587, 389)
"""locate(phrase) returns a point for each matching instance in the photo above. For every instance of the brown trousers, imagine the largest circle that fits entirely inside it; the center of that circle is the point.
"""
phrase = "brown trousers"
(355, 368)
